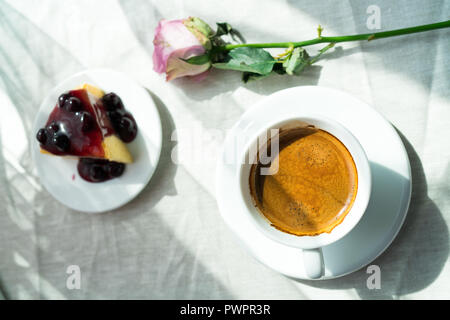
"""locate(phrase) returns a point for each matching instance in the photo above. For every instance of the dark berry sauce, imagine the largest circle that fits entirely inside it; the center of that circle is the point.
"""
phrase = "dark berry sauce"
(77, 125)
(71, 128)
(99, 170)
(122, 121)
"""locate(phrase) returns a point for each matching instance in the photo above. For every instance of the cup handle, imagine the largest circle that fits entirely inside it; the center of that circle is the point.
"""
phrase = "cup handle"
(313, 262)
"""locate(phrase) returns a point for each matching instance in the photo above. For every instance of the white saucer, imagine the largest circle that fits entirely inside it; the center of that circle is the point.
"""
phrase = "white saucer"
(59, 175)
(391, 180)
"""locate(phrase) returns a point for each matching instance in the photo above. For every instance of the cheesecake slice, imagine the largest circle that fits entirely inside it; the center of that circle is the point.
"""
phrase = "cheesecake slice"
(86, 123)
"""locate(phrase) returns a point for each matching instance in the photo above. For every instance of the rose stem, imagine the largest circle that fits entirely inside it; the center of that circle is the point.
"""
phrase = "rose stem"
(356, 37)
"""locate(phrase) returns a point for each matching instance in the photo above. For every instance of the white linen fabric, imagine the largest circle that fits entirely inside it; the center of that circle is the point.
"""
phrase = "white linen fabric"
(170, 242)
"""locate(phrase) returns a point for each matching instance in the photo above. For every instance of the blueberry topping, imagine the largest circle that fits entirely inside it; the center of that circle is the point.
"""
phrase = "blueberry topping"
(88, 161)
(72, 104)
(73, 129)
(97, 173)
(112, 101)
(53, 127)
(115, 169)
(62, 99)
(125, 123)
(61, 141)
(127, 129)
(99, 170)
(87, 121)
(41, 136)
(115, 117)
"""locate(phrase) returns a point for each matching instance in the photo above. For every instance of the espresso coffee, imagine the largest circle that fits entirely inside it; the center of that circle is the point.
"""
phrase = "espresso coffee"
(314, 187)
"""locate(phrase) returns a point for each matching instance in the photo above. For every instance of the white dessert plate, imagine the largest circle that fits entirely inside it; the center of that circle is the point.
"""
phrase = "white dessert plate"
(59, 175)
(389, 164)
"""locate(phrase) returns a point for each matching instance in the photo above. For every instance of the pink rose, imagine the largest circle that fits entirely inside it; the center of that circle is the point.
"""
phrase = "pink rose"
(180, 39)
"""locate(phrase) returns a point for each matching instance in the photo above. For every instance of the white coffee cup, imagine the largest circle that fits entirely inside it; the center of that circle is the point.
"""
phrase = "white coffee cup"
(310, 245)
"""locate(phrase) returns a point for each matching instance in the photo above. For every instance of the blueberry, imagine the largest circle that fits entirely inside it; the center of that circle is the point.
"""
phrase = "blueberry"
(41, 136)
(115, 169)
(62, 99)
(112, 101)
(87, 121)
(53, 127)
(97, 173)
(125, 123)
(72, 104)
(86, 161)
(61, 141)
(115, 116)
(127, 129)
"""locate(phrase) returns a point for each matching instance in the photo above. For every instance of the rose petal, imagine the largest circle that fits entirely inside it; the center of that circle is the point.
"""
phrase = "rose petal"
(177, 68)
(170, 36)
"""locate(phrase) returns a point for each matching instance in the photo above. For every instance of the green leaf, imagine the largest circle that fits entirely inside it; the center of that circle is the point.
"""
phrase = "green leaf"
(321, 52)
(278, 68)
(298, 60)
(223, 28)
(198, 60)
(246, 59)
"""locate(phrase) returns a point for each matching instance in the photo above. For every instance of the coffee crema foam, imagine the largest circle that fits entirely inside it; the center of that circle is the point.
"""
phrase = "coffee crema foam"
(315, 185)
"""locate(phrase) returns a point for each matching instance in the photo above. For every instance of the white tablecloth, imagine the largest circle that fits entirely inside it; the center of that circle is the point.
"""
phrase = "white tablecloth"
(171, 242)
